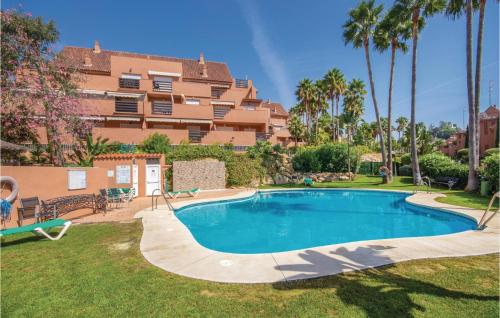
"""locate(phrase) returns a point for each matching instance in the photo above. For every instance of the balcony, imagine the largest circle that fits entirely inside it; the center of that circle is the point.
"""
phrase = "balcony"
(162, 108)
(128, 83)
(241, 83)
(237, 138)
(125, 105)
(260, 116)
(163, 86)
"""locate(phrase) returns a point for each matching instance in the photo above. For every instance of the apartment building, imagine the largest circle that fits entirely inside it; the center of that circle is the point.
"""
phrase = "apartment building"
(131, 96)
(488, 134)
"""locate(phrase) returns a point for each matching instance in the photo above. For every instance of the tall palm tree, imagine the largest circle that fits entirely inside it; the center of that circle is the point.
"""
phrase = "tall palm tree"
(402, 124)
(391, 32)
(416, 11)
(358, 30)
(455, 9)
(336, 86)
(305, 95)
(353, 110)
(296, 128)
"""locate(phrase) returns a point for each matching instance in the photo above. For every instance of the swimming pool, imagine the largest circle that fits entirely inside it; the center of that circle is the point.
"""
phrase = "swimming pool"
(281, 221)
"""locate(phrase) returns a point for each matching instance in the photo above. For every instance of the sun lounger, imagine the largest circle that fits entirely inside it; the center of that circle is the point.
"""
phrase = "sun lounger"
(39, 228)
(192, 192)
(308, 182)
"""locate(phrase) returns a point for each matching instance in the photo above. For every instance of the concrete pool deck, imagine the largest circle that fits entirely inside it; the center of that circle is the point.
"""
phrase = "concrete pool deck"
(168, 244)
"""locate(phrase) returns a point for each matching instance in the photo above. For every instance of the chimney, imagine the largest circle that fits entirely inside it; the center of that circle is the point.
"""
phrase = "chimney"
(87, 62)
(202, 59)
(97, 47)
(204, 71)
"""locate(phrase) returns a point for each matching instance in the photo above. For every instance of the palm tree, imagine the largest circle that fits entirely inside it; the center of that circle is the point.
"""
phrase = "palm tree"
(455, 9)
(87, 149)
(305, 94)
(358, 30)
(335, 83)
(353, 110)
(319, 103)
(391, 32)
(296, 128)
(402, 124)
(416, 11)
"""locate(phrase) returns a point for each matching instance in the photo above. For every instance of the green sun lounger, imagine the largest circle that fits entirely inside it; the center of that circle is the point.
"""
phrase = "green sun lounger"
(39, 228)
(308, 182)
(192, 192)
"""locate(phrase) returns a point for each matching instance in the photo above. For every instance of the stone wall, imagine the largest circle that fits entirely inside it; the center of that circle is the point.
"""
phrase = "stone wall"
(203, 174)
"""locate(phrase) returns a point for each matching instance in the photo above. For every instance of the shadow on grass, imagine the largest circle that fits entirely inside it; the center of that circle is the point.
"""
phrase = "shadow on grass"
(26, 238)
(378, 292)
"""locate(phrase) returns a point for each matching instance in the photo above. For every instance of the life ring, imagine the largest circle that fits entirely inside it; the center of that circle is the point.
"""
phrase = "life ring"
(13, 185)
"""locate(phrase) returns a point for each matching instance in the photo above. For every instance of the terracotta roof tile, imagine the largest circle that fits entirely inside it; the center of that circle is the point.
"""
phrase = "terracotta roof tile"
(276, 109)
(128, 156)
(101, 62)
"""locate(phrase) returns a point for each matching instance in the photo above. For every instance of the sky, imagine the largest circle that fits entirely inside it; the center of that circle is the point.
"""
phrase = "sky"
(278, 43)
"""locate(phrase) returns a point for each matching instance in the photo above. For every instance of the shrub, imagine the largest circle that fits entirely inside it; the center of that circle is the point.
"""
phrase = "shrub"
(406, 159)
(405, 170)
(240, 169)
(463, 155)
(306, 161)
(326, 158)
(491, 151)
(490, 171)
(155, 143)
(437, 165)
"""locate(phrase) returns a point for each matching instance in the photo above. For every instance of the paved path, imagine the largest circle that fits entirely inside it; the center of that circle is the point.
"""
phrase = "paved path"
(168, 244)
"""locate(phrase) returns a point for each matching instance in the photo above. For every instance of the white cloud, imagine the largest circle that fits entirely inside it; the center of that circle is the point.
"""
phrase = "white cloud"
(269, 58)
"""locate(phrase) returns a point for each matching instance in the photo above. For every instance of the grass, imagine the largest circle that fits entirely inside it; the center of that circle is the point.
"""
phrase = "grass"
(454, 197)
(98, 271)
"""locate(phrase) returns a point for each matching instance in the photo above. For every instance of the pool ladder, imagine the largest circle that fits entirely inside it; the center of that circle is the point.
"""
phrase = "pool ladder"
(484, 220)
(154, 203)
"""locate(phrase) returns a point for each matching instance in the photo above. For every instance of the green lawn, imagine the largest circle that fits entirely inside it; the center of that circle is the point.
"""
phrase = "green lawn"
(98, 271)
(455, 197)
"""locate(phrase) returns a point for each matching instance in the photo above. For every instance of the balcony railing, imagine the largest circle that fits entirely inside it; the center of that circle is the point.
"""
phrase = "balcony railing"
(129, 83)
(162, 107)
(125, 105)
(162, 86)
(221, 111)
(241, 83)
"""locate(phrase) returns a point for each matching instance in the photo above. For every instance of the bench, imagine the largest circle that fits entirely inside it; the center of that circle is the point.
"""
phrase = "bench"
(57, 206)
(450, 182)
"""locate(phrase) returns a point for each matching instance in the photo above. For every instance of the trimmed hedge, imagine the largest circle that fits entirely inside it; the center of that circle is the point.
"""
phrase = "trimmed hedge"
(405, 170)
(405, 159)
(437, 165)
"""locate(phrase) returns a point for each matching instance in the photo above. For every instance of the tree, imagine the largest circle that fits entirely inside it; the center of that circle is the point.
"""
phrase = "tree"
(353, 110)
(87, 149)
(336, 85)
(444, 130)
(305, 95)
(455, 9)
(416, 11)
(402, 124)
(296, 128)
(358, 30)
(392, 33)
(320, 104)
(37, 90)
(155, 143)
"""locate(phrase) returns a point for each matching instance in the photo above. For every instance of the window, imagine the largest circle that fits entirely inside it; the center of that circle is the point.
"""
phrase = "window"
(248, 107)
(125, 105)
(217, 92)
(192, 101)
(162, 107)
(162, 84)
(129, 81)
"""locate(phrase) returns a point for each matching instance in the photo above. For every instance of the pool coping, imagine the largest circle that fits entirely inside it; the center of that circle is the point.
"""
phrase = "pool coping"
(168, 244)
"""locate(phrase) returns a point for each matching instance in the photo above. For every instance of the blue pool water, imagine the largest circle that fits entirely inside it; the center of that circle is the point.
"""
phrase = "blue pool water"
(289, 220)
